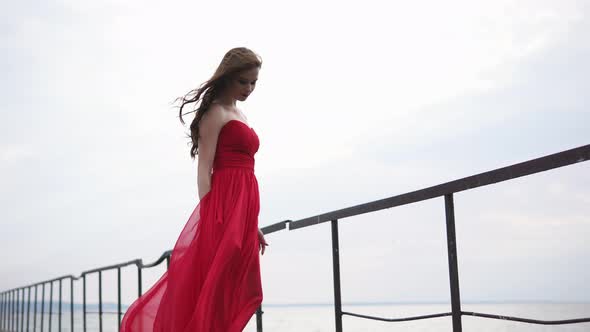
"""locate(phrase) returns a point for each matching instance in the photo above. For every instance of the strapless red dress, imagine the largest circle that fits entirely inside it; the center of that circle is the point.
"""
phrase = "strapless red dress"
(213, 283)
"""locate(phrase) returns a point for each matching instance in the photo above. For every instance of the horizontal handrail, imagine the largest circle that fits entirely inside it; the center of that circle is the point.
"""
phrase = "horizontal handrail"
(275, 227)
(137, 262)
(533, 166)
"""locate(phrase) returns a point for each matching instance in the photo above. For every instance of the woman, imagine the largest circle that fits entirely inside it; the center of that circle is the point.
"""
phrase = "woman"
(213, 282)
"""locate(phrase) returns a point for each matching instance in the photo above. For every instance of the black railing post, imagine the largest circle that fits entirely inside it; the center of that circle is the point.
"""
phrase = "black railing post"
(17, 307)
(72, 304)
(11, 325)
(22, 312)
(16, 310)
(5, 310)
(119, 299)
(19, 303)
(2, 311)
(11, 310)
(59, 309)
(138, 281)
(42, 306)
(28, 307)
(100, 301)
(22, 317)
(453, 269)
(35, 311)
(10, 313)
(22, 309)
(336, 270)
(259, 313)
(8, 309)
(50, 303)
(84, 302)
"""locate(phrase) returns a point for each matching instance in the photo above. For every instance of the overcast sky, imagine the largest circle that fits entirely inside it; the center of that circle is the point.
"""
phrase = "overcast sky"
(356, 101)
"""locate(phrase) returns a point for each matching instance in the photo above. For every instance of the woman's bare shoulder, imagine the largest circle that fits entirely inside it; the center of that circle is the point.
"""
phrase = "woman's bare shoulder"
(213, 119)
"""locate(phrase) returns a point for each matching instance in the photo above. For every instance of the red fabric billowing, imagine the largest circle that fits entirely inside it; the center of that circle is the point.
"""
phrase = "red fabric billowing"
(213, 282)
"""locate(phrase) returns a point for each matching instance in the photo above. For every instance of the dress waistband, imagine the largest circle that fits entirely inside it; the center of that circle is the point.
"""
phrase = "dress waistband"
(234, 160)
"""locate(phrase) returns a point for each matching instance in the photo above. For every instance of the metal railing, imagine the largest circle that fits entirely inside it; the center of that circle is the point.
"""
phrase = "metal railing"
(12, 302)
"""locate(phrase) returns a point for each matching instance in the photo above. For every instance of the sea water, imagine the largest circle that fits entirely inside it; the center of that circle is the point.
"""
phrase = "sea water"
(320, 318)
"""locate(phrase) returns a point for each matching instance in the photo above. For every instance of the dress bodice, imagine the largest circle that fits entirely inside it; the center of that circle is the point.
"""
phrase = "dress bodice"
(236, 145)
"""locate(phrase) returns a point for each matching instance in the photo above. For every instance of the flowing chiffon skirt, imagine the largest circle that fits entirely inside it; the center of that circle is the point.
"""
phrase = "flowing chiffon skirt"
(213, 282)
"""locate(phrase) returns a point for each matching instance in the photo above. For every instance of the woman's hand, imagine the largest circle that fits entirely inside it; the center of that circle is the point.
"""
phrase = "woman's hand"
(262, 241)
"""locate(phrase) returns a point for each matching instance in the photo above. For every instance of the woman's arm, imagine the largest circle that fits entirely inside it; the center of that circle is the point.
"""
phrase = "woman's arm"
(209, 128)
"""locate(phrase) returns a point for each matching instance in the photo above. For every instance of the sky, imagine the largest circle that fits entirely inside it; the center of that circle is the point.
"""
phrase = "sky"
(356, 101)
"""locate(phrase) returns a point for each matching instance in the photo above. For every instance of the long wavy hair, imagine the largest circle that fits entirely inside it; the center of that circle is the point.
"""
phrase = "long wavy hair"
(235, 61)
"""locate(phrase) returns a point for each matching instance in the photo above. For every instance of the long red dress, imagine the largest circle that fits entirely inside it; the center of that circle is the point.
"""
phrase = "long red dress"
(213, 282)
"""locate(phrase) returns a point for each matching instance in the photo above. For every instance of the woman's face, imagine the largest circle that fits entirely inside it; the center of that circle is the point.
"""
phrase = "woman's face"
(243, 84)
